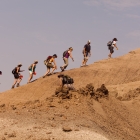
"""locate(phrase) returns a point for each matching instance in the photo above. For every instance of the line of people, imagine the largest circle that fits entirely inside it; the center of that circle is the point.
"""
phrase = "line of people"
(51, 63)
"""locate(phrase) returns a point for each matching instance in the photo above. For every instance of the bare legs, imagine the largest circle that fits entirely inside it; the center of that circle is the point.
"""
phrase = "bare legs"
(84, 62)
(30, 77)
(48, 71)
(110, 55)
(17, 81)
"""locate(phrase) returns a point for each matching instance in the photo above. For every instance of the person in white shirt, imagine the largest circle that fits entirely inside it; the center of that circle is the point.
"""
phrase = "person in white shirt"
(111, 48)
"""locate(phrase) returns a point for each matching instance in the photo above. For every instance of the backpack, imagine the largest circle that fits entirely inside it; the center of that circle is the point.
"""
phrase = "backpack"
(14, 70)
(47, 60)
(109, 44)
(30, 67)
(64, 53)
(67, 80)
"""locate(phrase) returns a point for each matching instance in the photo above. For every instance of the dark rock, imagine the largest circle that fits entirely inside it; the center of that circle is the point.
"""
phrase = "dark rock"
(3, 105)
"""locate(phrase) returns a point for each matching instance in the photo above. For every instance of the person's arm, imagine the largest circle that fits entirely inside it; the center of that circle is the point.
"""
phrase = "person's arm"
(115, 46)
(22, 70)
(90, 51)
(54, 63)
(70, 55)
(84, 51)
(18, 70)
(33, 67)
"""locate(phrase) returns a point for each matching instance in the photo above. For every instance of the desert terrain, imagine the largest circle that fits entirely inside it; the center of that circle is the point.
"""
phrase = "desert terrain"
(104, 106)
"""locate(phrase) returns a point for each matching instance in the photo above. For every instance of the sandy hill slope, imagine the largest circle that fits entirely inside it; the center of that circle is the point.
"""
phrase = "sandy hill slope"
(92, 112)
(114, 71)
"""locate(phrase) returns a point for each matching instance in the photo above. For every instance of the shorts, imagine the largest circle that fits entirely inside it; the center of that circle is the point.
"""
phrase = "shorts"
(49, 66)
(86, 57)
(111, 49)
(30, 72)
(16, 75)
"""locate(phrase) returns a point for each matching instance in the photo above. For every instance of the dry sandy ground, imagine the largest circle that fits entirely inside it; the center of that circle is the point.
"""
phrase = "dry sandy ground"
(31, 112)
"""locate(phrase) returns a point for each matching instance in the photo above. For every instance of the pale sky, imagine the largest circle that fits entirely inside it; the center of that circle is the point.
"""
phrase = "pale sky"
(34, 29)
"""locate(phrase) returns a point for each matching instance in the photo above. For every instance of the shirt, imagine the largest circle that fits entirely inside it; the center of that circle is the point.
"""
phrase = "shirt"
(87, 47)
(113, 44)
(67, 54)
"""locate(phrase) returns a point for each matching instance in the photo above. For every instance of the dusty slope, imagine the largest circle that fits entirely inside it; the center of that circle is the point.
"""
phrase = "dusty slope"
(115, 71)
(32, 116)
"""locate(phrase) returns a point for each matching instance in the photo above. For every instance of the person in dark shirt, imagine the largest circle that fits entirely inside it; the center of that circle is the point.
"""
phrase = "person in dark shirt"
(86, 53)
(17, 75)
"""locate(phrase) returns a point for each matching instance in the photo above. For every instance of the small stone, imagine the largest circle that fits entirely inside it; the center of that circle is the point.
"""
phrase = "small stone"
(66, 129)
(3, 105)
(53, 125)
(48, 132)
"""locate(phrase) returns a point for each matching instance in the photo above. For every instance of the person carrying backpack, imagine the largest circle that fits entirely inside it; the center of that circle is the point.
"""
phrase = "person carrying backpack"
(66, 55)
(111, 45)
(31, 69)
(86, 53)
(48, 62)
(66, 80)
(16, 72)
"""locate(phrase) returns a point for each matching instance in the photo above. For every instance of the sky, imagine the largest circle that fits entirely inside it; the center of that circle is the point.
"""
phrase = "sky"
(34, 29)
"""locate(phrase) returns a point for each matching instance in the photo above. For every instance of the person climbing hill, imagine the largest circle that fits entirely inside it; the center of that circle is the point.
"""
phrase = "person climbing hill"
(86, 53)
(66, 80)
(111, 45)
(16, 72)
(48, 62)
(66, 55)
(31, 69)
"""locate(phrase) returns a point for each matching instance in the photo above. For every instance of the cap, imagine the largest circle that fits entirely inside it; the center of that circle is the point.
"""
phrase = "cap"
(88, 41)
(115, 39)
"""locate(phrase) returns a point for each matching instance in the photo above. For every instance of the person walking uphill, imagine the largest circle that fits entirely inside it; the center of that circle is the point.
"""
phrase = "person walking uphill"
(111, 45)
(48, 62)
(18, 77)
(32, 70)
(66, 55)
(86, 53)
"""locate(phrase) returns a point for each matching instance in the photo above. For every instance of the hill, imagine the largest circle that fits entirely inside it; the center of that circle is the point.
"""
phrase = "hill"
(33, 111)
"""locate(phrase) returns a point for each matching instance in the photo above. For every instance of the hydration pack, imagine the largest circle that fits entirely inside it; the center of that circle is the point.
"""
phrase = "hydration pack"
(64, 53)
(67, 80)
(30, 67)
(14, 70)
(47, 60)
(109, 44)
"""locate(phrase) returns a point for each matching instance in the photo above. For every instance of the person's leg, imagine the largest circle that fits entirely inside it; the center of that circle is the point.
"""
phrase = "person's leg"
(65, 63)
(111, 52)
(86, 59)
(53, 70)
(14, 83)
(48, 71)
(18, 82)
(30, 76)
